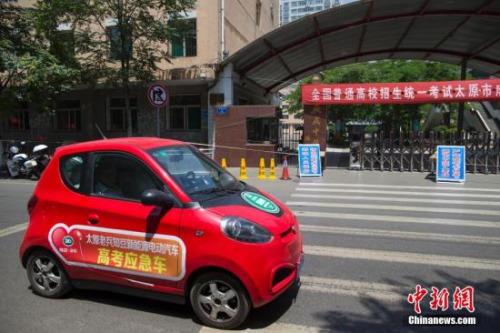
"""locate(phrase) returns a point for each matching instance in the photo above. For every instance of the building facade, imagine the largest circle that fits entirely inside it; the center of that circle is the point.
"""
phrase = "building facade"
(291, 10)
(214, 30)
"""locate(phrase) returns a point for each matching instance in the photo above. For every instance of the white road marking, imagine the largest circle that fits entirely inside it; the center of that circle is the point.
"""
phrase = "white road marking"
(399, 199)
(403, 257)
(14, 182)
(401, 234)
(376, 290)
(412, 193)
(13, 229)
(403, 187)
(273, 328)
(396, 208)
(399, 219)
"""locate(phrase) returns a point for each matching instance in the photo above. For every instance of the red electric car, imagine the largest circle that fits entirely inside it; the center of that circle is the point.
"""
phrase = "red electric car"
(157, 218)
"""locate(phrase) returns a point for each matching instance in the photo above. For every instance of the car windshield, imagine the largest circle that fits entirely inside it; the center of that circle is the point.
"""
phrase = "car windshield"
(199, 177)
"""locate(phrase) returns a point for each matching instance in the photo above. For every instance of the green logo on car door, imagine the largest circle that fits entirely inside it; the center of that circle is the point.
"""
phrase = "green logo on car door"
(68, 241)
(260, 202)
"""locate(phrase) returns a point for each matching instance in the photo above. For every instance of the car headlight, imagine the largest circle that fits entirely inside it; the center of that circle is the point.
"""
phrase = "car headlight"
(243, 230)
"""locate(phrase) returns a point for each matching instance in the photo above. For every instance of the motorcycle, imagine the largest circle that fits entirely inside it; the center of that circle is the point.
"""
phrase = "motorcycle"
(16, 161)
(40, 158)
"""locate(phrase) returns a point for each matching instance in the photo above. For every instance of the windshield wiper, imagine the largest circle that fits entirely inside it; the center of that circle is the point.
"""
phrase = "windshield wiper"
(216, 190)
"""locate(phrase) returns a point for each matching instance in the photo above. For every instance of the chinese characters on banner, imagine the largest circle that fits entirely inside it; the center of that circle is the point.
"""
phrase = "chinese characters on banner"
(309, 160)
(463, 298)
(124, 251)
(450, 164)
(401, 93)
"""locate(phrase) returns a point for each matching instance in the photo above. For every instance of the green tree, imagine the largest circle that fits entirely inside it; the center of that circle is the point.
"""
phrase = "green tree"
(28, 70)
(116, 42)
(393, 116)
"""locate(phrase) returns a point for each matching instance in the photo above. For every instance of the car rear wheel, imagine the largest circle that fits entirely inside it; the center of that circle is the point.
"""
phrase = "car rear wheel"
(220, 301)
(46, 275)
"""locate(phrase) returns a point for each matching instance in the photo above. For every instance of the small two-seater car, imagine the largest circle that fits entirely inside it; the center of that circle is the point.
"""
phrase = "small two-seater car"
(157, 218)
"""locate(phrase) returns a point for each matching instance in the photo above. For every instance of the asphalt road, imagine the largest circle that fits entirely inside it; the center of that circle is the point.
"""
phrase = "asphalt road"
(370, 238)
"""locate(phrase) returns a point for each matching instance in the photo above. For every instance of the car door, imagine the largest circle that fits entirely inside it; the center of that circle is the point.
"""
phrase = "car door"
(127, 242)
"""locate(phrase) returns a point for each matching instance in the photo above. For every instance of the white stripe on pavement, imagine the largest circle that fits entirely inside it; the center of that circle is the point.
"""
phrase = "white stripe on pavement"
(401, 234)
(437, 187)
(399, 219)
(376, 290)
(412, 193)
(398, 199)
(403, 257)
(14, 182)
(13, 229)
(396, 208)
(273, 328)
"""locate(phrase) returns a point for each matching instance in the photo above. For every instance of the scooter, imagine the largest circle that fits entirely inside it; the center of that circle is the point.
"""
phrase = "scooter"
(40, 158)
(16, 160)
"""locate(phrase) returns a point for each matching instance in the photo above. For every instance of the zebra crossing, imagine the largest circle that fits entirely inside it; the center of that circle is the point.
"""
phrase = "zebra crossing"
(376, 242)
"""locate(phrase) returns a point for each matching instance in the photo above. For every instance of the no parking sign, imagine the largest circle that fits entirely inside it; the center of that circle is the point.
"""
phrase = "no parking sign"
(158, 95)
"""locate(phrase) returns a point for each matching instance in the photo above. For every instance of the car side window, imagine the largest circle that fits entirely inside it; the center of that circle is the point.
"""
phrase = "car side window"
(121, 176)
(71, 171)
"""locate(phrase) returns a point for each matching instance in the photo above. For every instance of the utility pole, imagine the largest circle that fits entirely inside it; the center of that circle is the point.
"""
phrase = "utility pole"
(463, 73)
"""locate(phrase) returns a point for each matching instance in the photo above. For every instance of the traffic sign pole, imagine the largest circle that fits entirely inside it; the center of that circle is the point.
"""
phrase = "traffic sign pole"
(158, 121)
(158, 97)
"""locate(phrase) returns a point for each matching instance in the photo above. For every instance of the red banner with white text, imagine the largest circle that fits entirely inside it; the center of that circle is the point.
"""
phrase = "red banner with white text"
(401, 93)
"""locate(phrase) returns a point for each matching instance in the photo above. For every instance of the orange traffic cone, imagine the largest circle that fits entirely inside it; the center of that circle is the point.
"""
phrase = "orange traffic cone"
(284, 173)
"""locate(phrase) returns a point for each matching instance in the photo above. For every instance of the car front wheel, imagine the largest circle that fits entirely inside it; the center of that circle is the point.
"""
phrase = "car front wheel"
(46, 275)
(220, 301)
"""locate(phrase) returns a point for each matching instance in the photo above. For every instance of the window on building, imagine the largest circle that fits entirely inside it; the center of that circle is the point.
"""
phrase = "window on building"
(258, 12)
(67, 42)
(64, 44)
(117, 114)
(183, 41)
(19, 119)
(115, 43)
(262, 130)
(68, 116)
(184, 113)
(243, 101)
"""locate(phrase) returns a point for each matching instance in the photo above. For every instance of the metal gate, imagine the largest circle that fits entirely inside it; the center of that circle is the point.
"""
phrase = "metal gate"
(413, 151)
(289, 138)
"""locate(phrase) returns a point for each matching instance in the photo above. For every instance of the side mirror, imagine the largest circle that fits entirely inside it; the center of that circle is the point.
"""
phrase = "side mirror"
(156, 198)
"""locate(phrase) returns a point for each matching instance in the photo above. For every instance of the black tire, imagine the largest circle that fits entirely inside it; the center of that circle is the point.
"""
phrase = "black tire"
(231, 312)
(10, 173)
(46, 275)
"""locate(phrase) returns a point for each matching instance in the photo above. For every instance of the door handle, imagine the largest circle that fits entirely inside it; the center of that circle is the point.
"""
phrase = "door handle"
(93, 218)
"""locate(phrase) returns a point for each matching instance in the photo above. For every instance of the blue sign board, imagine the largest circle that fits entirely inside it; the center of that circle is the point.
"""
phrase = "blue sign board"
(309, 160)
(450, 164)
(222, 110)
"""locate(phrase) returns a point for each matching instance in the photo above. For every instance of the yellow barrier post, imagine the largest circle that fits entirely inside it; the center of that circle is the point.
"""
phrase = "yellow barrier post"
(262, 169)
(224, 164)
(243, 170)
(272, 170)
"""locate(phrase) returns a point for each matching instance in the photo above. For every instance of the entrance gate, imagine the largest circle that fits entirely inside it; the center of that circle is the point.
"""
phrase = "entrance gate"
(404, 151)
(414, 151)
